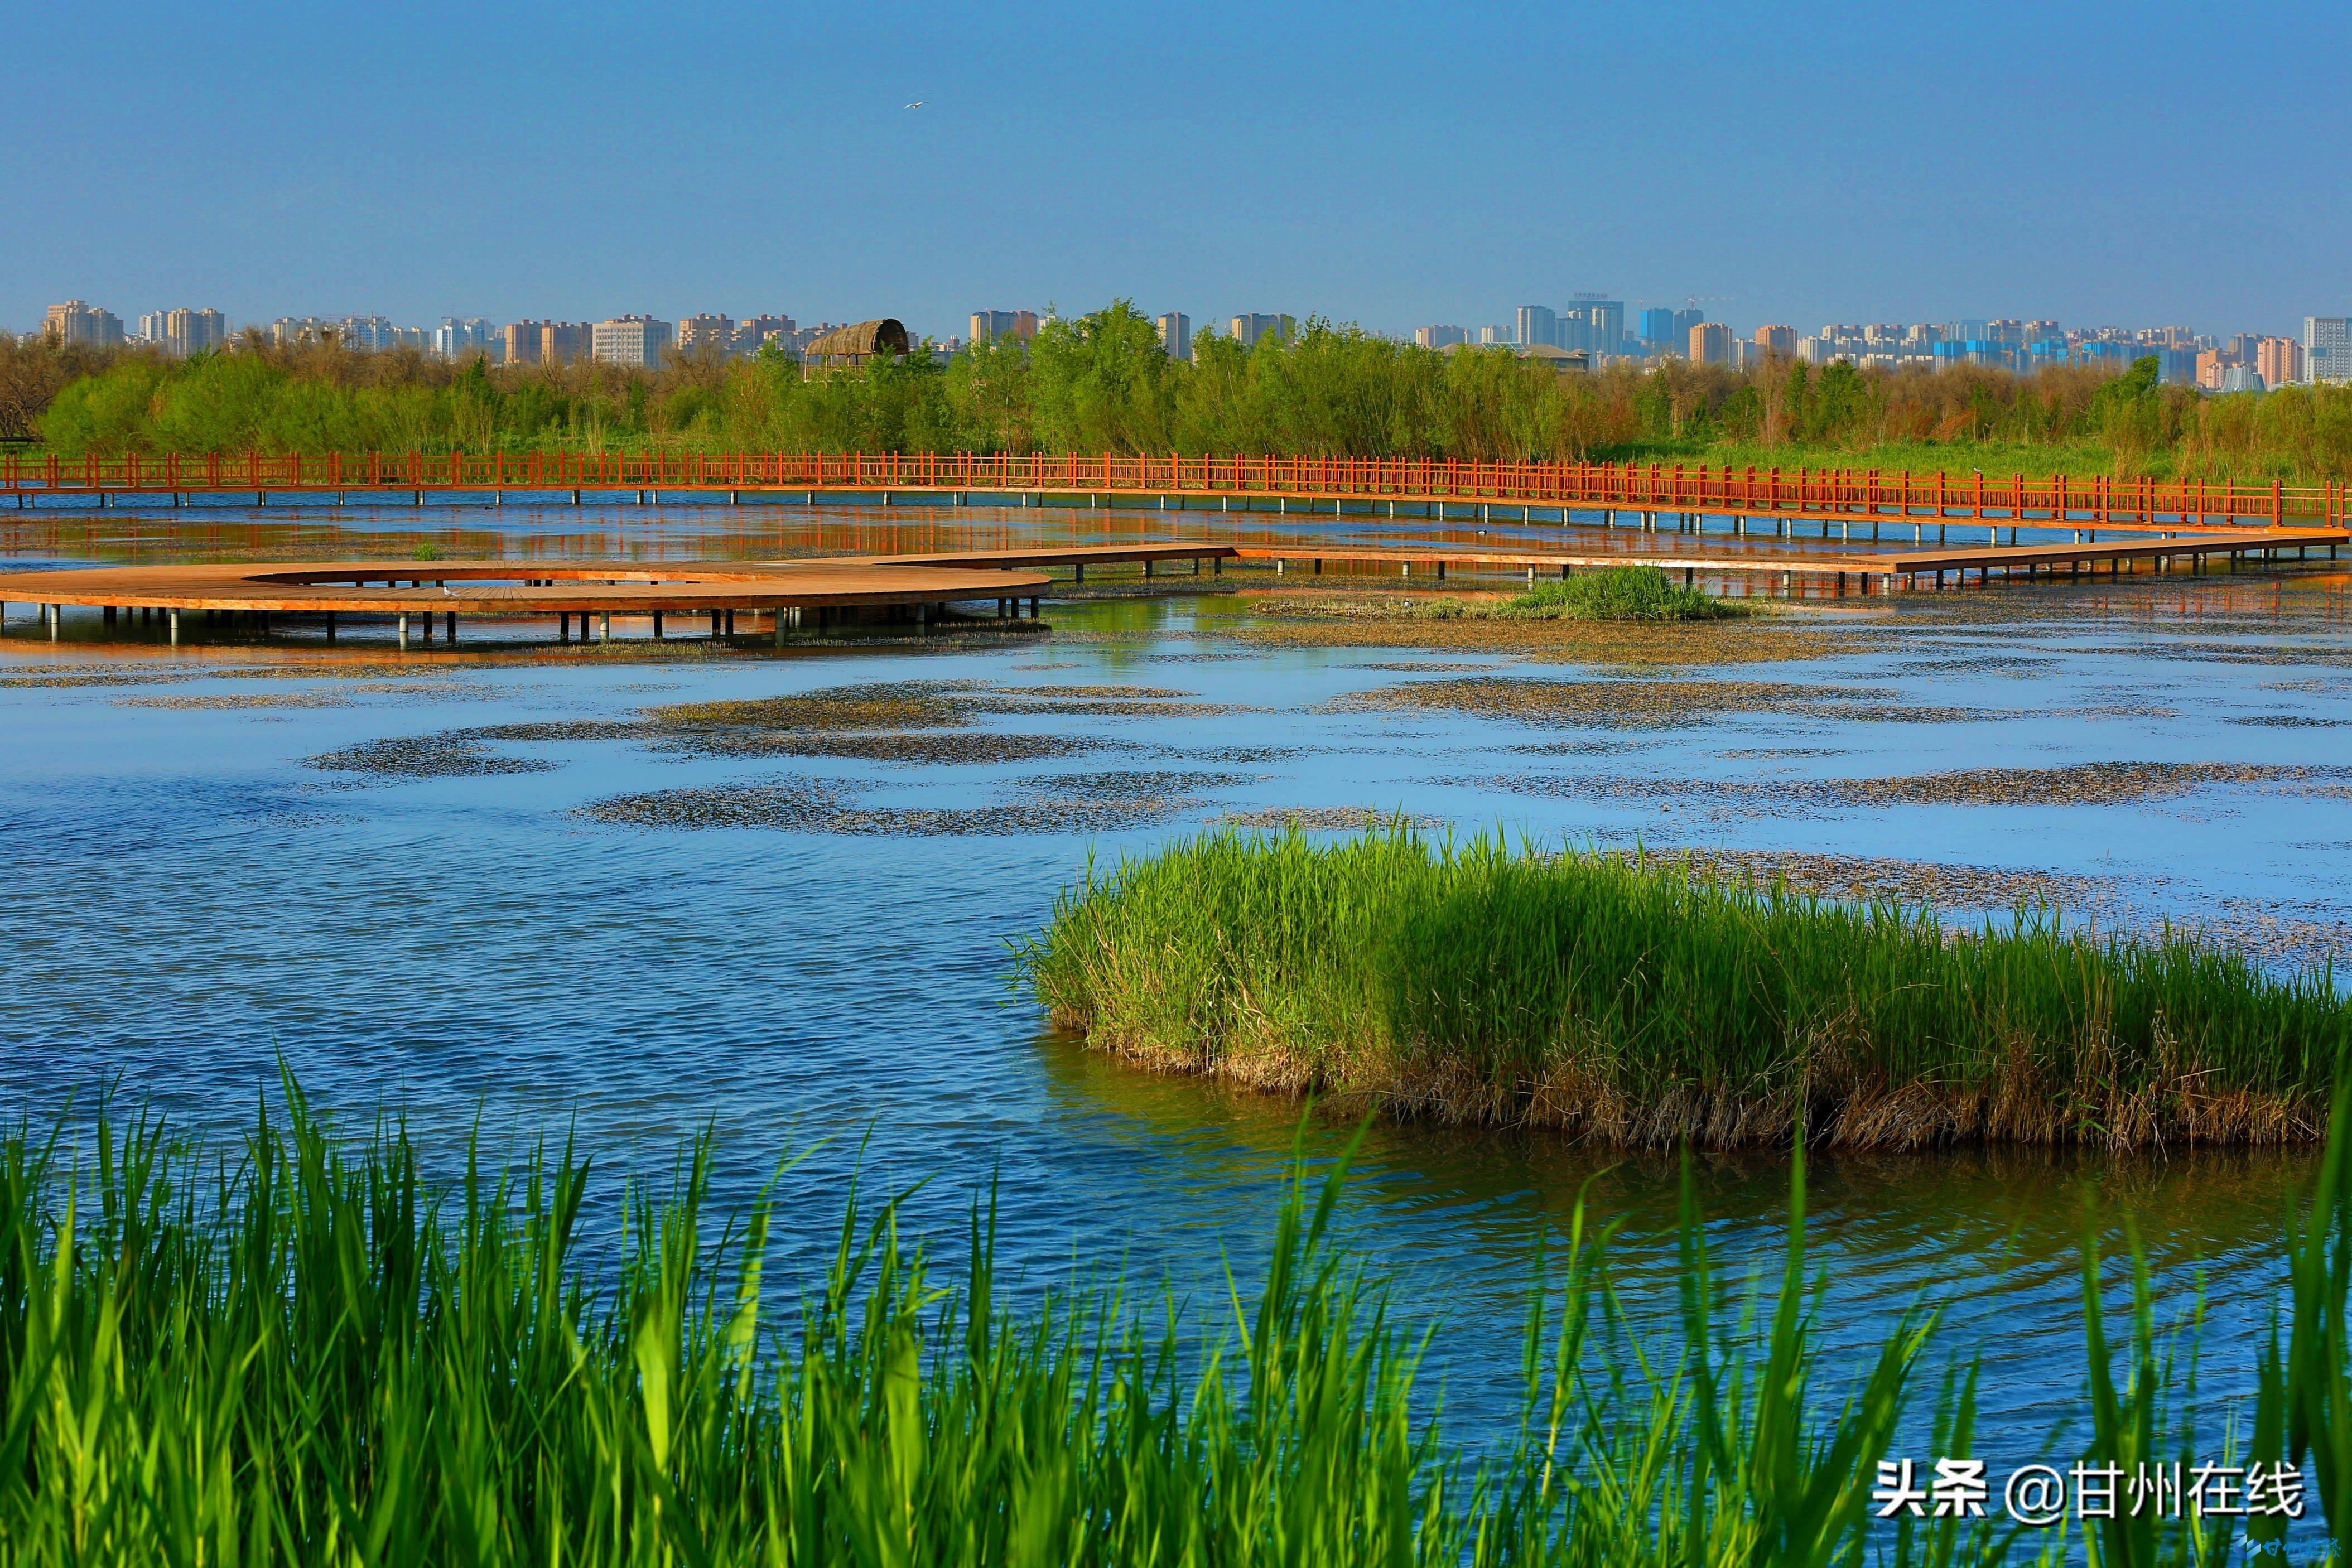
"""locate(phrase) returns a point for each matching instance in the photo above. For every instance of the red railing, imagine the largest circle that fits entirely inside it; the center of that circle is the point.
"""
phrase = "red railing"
(1695, 487)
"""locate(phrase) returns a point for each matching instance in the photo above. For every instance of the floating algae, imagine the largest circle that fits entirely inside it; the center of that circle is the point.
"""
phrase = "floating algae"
(1927, 882)
(956, 748)
(1327, 819)
(1618, 703)
(1069, 803)
(2083, 784)
(905, 705)
(795, 805)
(444, 756)
(240, 700)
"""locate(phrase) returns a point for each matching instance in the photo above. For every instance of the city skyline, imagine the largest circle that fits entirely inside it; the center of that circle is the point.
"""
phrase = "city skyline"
(1593, 329)
(1805, 166)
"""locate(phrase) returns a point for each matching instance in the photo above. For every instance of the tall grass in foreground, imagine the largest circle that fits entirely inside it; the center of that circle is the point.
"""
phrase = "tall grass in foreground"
(1637, 1003)
(306, 1353)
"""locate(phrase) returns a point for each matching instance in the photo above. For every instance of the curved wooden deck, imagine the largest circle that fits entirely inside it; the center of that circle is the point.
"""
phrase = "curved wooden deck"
(516, 588)
(411, 590)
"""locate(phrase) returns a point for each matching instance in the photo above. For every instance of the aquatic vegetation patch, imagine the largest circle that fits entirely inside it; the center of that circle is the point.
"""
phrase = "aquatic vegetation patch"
(1607, 702)
(233, 700)
(882, 704)
(791, 806)
(2083, 784)
(1329, 818)
(1639, 593)
(955, 747)
(1642, 1003)
(1061, 803)
(449, 755)
(1925, 883)
(1319, 618)
(561, 731)
(1085, 693)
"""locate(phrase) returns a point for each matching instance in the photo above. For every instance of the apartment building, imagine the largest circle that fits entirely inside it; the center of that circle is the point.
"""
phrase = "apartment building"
(988, 326)
(639, 341)
(1248, 329)
(187, 332)
(755, 332)
(2327, 348)
(1439, 337)
(1710, 344)
(1175, 334)
(564, 343)
(82, 324)
(706, 334)
(2279, 361)
(1778, 342)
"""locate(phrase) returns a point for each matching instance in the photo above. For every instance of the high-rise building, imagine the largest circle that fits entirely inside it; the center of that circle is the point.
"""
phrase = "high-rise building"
(1439, 337)
(83, 325)
(638, 341)
(150, 327)
(987, 326)
(1176, 334)
(1538, 324)
(2210, 363)
(2327, 348)
(2242, 347)
(1710, 343)
(1248, 329)
(2280, 361)
(565, 342)
(457, 339)
(1658, 330)
(1494, 337)
(1780, 342)
(1684, 320)
(706, 332)
(189, 332)
(752, 332)
(523, 339)
(1604, 323)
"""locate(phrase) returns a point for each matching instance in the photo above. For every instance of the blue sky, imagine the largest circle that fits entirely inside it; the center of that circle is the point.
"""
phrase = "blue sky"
(2098, 162)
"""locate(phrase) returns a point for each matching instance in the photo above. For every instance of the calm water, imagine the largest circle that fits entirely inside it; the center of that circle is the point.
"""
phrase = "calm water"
(188, 902)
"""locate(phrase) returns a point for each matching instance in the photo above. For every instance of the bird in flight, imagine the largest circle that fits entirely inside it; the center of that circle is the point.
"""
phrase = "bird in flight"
(918, 103)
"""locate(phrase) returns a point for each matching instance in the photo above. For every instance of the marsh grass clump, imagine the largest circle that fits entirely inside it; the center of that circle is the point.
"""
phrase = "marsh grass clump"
(1612, 593)
(1644, 1003)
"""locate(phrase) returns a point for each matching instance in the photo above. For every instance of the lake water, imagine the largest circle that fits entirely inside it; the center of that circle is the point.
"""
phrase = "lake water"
(465, 926)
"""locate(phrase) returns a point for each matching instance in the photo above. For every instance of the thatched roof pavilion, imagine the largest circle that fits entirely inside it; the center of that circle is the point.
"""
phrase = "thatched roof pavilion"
(856, 345)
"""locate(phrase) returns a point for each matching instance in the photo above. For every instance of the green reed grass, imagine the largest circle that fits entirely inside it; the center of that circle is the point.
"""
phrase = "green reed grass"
(305, 1353)
(1640, 1002)
(1618, 593)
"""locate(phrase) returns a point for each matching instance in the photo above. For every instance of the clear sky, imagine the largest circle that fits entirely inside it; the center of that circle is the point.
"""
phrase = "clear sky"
(2136, 164)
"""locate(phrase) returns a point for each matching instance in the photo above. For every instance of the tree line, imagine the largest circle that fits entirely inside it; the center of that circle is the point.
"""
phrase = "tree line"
(1101, 382)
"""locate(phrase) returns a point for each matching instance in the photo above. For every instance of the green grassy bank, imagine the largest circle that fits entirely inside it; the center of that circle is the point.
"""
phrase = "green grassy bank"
(293, 1351)
(1633, 1004)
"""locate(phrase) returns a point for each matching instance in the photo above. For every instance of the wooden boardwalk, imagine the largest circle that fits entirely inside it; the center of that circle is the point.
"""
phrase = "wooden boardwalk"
(1435, 486)
(919, 586)
(420, 589)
